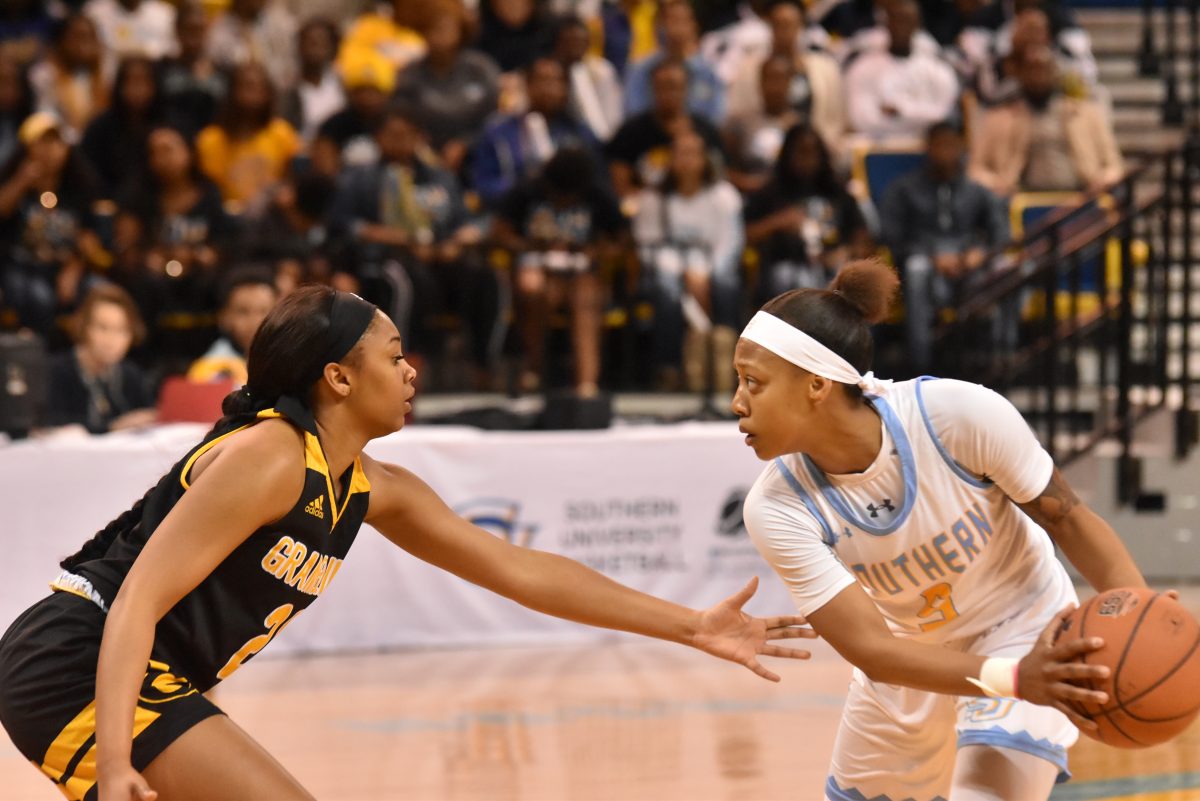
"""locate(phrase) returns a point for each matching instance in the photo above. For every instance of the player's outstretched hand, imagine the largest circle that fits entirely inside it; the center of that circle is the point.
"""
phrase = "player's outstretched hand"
(1047, 674)
(728, 632)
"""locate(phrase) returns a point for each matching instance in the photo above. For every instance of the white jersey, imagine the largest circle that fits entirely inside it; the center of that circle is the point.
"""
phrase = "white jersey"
(931, 530)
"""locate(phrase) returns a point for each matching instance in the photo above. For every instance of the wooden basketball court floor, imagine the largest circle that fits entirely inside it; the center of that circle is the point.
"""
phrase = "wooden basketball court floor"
(627, 720)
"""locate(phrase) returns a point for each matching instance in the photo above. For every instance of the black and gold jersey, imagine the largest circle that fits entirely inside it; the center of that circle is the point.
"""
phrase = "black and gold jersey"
(267, 579)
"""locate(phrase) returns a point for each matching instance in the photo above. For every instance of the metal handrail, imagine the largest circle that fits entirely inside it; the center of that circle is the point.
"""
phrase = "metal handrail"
(1125, 327)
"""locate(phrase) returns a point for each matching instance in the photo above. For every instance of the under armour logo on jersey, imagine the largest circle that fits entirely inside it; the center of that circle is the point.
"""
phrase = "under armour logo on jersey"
(316, 507)
(886, 503)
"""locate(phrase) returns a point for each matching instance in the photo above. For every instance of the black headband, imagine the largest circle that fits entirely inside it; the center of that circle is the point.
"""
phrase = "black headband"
(349, 317)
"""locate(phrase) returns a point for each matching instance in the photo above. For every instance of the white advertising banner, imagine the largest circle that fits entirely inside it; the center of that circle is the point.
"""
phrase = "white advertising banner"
(654, 507)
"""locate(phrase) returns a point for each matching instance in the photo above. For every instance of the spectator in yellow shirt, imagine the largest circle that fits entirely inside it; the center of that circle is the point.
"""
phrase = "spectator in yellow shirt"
(248, 149)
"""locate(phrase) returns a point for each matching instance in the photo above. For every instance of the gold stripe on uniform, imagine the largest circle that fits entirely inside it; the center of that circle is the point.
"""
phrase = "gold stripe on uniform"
(68, 742)
(203, 449)
(314, 459)
(74, 736)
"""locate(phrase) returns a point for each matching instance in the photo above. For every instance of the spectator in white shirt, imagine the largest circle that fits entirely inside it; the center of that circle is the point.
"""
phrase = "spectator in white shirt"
(318, 94)
(899, 92)
(860, 26)
(728, 48)
(690, 238)
(595, 92)
(134, 27)
(256, 30)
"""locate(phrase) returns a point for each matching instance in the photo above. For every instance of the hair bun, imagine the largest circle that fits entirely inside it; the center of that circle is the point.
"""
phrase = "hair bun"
(869, 286)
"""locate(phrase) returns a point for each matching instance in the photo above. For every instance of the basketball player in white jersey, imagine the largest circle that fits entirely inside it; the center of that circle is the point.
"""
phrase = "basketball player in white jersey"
(910, 522)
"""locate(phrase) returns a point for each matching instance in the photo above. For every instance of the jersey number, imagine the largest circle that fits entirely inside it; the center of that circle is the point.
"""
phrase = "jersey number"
(274, 623)
(939, 607)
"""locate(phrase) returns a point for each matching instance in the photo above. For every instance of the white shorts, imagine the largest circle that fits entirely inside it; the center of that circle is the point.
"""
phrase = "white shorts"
(899, 743)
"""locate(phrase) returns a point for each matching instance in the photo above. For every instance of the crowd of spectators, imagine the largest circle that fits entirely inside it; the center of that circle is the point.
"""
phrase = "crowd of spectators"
(493, 171)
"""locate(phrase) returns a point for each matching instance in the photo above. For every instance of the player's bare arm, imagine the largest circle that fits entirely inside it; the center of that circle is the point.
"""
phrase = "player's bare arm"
(220, 510)
(1086, 539)
(852, 624)
(410, 514)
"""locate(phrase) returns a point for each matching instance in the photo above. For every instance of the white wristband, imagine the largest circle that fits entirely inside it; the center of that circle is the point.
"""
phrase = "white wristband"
(998, 677)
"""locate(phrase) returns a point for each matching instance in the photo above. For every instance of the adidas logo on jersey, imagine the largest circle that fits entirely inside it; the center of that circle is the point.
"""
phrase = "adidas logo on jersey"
(316, 507)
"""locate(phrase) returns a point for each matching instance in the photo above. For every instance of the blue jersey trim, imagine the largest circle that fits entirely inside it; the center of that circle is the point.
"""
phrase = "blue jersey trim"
(794, 483)
(1019, 741)
(836, 793)
(951, 462)
(908, 467)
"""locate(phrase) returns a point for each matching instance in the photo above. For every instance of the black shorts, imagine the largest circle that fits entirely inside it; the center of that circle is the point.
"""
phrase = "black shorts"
(48, 663)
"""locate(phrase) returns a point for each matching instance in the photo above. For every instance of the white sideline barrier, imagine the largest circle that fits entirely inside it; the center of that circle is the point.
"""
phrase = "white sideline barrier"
(655, 507)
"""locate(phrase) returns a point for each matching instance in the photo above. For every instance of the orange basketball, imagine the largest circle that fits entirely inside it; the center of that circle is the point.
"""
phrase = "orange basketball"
(1152, 648)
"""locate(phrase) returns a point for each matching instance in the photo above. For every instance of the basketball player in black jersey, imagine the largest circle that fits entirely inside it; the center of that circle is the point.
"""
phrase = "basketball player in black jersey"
(101, 683)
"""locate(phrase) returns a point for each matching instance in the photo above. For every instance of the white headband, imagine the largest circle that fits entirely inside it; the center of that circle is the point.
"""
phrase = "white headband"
(793, 345)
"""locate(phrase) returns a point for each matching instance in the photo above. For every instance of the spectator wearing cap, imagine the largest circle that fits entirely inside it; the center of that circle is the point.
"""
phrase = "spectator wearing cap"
(193, 86)
(451, 92)
(390, 32)
(318, 94)
(93, 384)
(48, 243)
(898, 92)
(134, 27)
(348, 137)
(70, 81)
(261, 31)
(680, 36)
(247, 151)
(515, 147)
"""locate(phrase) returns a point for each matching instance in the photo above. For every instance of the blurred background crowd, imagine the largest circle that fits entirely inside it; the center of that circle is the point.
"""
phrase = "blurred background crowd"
(593, 194)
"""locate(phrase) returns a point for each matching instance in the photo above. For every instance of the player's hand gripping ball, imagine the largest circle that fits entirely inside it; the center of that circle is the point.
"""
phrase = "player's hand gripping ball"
(1152, 650)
